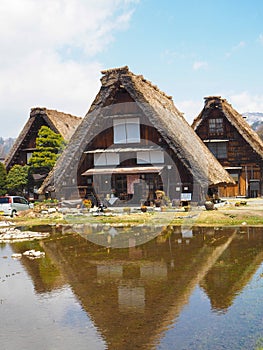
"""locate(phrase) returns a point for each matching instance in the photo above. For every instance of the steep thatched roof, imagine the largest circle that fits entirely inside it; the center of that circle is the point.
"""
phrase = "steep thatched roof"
(62, 123)
(234, 118)
(161, 112)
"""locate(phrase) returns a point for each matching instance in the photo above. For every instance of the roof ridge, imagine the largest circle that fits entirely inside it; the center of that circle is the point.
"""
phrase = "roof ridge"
(117, 69)
(43, 110)
(125, 70)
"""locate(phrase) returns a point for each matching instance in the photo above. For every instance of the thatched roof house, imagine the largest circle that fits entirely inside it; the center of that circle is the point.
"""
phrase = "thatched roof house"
(124, 95)
(62, 123)
(235, 118)
(236, 145)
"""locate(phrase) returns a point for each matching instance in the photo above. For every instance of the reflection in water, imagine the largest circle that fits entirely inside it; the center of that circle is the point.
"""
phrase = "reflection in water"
(121, 236)
(183, 290)
(42, 320)
(131, 299)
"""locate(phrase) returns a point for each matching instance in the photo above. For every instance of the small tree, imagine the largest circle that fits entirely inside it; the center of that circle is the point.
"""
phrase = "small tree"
(2, 179)
(17, 179)
(48, 147)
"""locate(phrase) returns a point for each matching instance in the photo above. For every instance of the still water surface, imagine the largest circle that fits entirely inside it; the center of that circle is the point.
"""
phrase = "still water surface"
(184, 289)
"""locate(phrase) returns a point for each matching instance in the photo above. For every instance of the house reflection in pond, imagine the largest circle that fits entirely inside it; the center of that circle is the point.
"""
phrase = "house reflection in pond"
(133, 300)
(234, 269)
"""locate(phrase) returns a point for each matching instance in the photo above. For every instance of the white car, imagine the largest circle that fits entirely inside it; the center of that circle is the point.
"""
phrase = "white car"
(10, 205)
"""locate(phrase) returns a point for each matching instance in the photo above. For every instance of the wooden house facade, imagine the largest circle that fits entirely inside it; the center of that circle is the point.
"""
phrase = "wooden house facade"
(132, 143)
(25, 144)
(236, 146)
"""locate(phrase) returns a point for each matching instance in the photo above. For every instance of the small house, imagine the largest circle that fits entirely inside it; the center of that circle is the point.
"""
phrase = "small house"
(236, 146)
(24, 146)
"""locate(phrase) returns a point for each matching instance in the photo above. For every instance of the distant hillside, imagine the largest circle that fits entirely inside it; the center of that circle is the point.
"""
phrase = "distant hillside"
(5, 146)
(255, 120)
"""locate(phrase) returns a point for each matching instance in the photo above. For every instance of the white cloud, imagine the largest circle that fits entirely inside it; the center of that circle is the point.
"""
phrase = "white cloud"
(200, 65)
(190, 108)
(48, 54)
(236, 48)
(245, 102)
(260, 39)
(170, 56)
(240, 45)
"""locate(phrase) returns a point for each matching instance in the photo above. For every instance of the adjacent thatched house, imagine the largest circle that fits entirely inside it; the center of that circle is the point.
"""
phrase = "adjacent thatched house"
(236, 146)
(59, 122)
(133, 142)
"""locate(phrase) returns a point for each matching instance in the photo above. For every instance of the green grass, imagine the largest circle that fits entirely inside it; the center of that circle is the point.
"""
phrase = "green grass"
(223, 217)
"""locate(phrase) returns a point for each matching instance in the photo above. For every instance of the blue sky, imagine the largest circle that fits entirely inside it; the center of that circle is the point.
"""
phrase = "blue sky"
(53, 51)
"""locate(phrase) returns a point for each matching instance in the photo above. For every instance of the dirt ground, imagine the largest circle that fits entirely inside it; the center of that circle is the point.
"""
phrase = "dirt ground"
(253, 205)
(235, 212)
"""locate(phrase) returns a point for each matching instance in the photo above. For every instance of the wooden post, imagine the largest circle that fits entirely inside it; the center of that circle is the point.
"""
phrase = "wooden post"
(246, 181)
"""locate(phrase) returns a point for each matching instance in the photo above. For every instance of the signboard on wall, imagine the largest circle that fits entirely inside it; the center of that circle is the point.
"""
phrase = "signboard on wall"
(186, 196)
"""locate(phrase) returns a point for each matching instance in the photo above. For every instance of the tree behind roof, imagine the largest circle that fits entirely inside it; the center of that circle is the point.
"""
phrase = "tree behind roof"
(49, 145)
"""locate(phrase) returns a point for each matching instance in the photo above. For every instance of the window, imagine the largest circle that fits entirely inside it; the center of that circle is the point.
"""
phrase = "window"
(235, 177)
(101, 159)
(4, 200)
(150, 157)
(23, 201)
(28, 156)
(157, 157)
(17, 200)
(216, 126)
(126, 130)
(219, 149)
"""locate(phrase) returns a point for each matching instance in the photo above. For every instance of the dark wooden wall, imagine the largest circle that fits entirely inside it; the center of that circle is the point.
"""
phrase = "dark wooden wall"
(239, 154)
(28, 142)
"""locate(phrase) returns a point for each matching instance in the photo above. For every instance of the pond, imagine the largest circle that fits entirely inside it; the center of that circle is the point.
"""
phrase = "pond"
(183, 289)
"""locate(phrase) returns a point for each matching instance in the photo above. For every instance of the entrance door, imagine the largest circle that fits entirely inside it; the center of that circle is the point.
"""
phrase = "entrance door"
(254, 188)
(119, 186)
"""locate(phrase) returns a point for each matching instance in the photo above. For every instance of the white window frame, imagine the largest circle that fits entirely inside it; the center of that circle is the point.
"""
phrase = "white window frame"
(103, 159)
(143, 157)
(150, 157)
(126, 130)
(157, 157)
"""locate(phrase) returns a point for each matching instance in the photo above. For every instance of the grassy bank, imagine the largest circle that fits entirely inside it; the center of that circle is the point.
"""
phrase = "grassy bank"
(229, 215)
(230, 218)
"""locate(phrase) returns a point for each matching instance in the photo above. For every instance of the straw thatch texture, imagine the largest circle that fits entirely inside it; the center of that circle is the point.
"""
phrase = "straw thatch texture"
(63, 123)
(160, 111)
